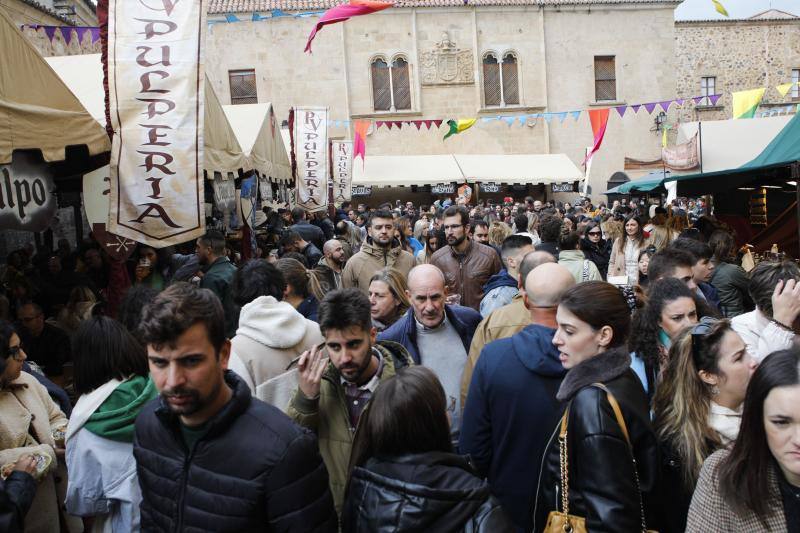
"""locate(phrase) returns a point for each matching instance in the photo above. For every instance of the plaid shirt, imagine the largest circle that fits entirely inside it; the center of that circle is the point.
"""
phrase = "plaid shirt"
(357, 397)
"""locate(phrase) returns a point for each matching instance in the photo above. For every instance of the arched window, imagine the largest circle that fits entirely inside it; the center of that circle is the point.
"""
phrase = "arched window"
(391, 86)
(500, 80)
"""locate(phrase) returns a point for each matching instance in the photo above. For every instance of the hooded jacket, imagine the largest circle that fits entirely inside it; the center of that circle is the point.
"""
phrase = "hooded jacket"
(103, 481)
(327, 415)
(575, 262)
(602, 481)
(329, 279)
(270, 335)
(252, 470)
(498, 291)
(513, 390)
(434, 492)
(362, 266)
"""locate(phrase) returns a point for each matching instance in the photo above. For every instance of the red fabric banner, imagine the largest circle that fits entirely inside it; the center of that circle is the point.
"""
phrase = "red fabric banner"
(343, 12)
(599, 120)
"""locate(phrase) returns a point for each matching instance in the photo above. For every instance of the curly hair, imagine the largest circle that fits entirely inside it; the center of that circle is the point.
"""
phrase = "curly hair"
(549, 228)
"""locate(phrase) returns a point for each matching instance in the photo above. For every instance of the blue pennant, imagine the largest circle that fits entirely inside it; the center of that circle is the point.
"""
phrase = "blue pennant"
(230, 17)
(509, 120)
(575, 114)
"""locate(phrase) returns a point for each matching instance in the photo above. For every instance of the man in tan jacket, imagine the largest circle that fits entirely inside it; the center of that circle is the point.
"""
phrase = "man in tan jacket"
(381, 251)
(502, 322)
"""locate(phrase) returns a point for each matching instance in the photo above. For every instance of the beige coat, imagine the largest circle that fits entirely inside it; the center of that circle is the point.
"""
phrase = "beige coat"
(27, 418)
(360, 268)
(500, 324)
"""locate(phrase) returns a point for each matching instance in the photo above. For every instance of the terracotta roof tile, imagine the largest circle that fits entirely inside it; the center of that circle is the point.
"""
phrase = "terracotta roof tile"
(249, 6)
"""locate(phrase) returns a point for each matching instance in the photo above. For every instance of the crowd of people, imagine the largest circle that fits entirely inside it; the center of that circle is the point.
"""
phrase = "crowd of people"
(516, 367)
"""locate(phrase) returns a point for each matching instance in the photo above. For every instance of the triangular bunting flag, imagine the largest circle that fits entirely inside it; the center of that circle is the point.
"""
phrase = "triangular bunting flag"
(379, 123)
(398, 124)
(509, 120)
(561, 116)
(548, 117)
(650, 107)
(636, 108)
(388, 124)
(575, 114)
(784, 88)
(418, 124)
(437, 123)
(680, 101)
(698, 99)
(621, 110)
(427, 123)
(487, 119)
(714, 98)
(665, 105)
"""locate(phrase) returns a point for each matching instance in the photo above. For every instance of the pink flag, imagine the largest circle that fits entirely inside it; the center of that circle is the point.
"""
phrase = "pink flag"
(343, 12)
(599, 120)
(360, 139)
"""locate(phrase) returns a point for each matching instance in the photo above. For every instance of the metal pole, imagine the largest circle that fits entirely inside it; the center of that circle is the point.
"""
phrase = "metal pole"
(796, 179)
(700, 139)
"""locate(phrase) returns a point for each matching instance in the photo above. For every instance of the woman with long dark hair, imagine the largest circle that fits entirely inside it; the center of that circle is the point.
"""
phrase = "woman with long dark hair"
(624, 260)
(755, 485)
(698, 409)
(671, 306)
(405, 476)
(112, 379)
(729, 279)
(601, 461)
(595, 247)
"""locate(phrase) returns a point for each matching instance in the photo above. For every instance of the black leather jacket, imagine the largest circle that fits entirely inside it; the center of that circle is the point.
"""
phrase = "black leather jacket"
(430, 492)
(602, 483)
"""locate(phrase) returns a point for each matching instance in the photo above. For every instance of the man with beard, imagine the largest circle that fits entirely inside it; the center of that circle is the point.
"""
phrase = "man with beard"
(436, 335)
(380, 250)
(338, 378)
(217, 274)
(467, 265)
(329, 267)
(205, 416)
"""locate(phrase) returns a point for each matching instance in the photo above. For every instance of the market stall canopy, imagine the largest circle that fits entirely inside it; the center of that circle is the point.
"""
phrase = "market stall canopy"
(37, 110)
(396, 170)
(732, 143)
(652, 183)
(259, 136)
(771, 166)
(83, 75)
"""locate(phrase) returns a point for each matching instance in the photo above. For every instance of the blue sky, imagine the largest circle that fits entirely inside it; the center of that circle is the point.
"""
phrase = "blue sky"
(704, 9)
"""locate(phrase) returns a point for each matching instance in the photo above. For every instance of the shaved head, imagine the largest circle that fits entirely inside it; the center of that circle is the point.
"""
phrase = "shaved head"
(531, 261)
(330, 246)
(546, 283)
(425, 275)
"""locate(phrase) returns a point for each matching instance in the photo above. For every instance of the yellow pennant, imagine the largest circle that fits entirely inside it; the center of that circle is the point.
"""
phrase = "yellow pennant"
(784, 88)
(720, 8)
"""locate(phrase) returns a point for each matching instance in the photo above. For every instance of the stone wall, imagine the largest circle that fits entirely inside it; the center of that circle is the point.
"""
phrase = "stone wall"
(741, 54)
(555, 50)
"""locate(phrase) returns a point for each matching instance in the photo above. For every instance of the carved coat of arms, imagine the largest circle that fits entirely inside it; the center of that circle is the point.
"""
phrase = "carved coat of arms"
(447, 65)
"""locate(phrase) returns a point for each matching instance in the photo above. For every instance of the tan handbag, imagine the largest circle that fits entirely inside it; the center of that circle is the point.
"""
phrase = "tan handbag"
(562, 521)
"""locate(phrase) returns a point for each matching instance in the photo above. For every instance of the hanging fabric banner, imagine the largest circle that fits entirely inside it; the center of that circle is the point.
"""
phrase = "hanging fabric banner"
(342, 152)
(311, 151)
(225, 200)
(27, 195)
(682, 156)
(155, 91)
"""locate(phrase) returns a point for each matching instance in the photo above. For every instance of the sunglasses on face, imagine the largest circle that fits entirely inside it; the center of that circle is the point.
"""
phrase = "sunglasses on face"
(700, 330)
(595, 233)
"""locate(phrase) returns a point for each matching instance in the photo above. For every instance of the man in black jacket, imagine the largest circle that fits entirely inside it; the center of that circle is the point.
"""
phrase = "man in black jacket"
(306, 230)
(209, 456)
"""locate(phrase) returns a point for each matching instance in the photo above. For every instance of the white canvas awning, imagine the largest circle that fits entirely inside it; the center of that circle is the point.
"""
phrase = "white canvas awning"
(83, 75)
(259, 136)
(37, 110)
(396, 170)
(731, 143)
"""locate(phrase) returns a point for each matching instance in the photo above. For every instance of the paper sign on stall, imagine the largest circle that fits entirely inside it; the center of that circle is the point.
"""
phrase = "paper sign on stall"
(155, 77)
(342, 170)
(311, 153)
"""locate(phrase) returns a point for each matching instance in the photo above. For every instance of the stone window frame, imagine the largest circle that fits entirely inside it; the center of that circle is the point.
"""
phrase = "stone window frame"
(615, 79)
(238, 99)
(392, 58)
(500, 58)
(794, 93)
(705, 102)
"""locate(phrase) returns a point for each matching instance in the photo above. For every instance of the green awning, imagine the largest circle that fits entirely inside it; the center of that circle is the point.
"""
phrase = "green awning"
(653, 182)
(770, 166)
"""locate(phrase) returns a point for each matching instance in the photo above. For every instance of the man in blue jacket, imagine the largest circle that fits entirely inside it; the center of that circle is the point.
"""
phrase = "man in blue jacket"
(511, 406)
(436, 335)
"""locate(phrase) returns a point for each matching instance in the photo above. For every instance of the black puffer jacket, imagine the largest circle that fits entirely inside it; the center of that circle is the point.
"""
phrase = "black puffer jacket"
(253, 470)
(431, 492)
(602, 484)
(599, 254)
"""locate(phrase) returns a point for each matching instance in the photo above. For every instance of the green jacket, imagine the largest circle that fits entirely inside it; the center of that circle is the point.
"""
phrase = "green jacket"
(328, 416)
(218, 278)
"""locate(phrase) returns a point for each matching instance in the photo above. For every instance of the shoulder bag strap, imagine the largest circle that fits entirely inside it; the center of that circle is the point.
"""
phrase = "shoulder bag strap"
(563, 462)
(624, 427)
(585, 276)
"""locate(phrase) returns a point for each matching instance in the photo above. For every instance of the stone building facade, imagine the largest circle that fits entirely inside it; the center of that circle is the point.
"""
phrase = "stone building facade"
(32, 15)
(762, 51)
(556, 45)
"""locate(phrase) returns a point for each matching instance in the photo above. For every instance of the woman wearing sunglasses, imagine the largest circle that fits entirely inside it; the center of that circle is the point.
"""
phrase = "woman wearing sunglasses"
(698, 408)
(595, 248)
(755, 485)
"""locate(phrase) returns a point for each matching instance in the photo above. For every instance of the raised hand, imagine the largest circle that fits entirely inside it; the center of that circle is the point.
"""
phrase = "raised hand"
(311, 366)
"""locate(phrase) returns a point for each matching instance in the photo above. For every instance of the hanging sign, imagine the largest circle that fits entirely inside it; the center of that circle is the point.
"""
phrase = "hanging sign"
(362, 190)
(443, 188)
(311, 152)
(562, 187)
(225, 200)
(490, 187)
(155, 90)
(27, 196)
(342, 152)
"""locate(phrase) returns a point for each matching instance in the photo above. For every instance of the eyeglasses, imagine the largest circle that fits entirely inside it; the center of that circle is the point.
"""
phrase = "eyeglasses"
(699, 331)
(16, 352)
(595, 233)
